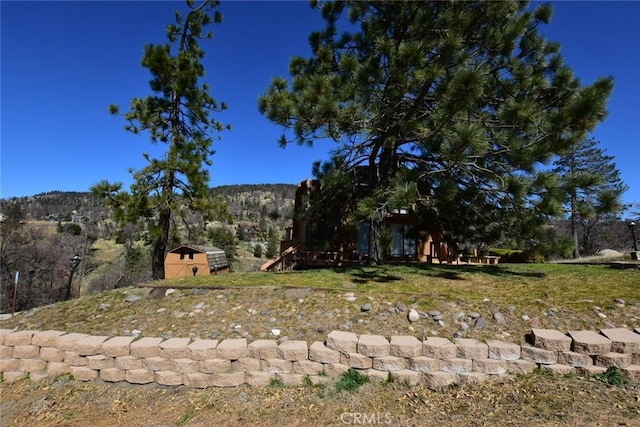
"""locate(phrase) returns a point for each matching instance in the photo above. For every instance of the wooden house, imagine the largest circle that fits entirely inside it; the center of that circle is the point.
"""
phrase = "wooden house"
(409, 242)
(195, 260)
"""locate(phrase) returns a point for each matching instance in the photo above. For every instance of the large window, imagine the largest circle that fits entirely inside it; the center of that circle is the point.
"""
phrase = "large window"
(363, 238)
(402, 243)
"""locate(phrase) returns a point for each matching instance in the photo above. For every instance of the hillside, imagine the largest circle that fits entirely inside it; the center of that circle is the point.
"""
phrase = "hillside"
(245, 201)
(42, 232)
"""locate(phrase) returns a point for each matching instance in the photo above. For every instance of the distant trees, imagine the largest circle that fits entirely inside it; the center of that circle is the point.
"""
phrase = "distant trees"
(451, 107)
(593, 189)
(41, 257)
(178, 115)
(225, 238)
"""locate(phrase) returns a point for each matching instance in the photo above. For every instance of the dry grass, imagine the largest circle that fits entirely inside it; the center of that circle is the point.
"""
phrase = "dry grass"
(536, 399)
(305, 305)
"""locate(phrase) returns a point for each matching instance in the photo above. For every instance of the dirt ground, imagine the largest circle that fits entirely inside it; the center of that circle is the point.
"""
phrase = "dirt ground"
(536, 399)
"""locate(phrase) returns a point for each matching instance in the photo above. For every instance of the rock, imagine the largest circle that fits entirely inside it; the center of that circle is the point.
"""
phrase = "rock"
(265, 312)
(440, 322)
(296, 293)
(609, 253)
(161, 310)
(215, 335)
(169, 292)
(366, 308)
(459, 315)
(619, 302)
(423, 315)
(480, 322)
(435, 313)
(401, 307)
(198, 291)
(104, 306)
(275, 332)
(525, 318)
(272, 320)
(474, 315)
(438, 318)
(393, 310)
(499, 317)
(413, 316)
(321, 329)
(343, 327)
(350, 299)
(133, 298)
(457, 335)
(602, 315)
(535, 322)
(464, 326)
(200, 305)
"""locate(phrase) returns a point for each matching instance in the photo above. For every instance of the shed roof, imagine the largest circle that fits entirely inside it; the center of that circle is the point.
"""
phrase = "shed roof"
(215, 256)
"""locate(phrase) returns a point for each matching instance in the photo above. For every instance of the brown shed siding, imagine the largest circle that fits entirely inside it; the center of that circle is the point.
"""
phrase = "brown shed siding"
(180, 262)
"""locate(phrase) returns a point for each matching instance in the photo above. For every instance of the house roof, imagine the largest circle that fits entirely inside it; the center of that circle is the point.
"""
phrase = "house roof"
(215, 256)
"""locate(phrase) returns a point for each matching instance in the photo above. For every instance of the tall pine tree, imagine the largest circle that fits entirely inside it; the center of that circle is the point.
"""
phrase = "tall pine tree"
(465, 99)
(593, 189)
(178, 115)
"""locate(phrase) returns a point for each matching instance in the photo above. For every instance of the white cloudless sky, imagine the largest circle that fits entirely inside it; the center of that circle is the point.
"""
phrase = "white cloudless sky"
(64, 62)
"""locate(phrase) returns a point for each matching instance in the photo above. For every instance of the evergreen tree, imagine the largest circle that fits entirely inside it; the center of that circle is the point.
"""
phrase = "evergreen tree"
(178, 115)
(257, 251)
(225, 238)
(273, 244)
(450, 106)
(593, 189)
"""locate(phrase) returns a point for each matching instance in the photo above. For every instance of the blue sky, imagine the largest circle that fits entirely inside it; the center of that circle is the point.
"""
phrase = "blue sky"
(63, 63)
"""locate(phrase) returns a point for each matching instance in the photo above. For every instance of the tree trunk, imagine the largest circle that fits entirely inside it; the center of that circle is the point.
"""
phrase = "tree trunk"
(160, 245)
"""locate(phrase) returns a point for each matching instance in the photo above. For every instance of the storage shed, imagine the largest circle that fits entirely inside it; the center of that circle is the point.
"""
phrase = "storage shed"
(195, 260)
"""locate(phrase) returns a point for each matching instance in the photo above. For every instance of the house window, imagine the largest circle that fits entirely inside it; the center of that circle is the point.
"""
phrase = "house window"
(181, 255)
(402, 243)
(363, 238)
(190, 255)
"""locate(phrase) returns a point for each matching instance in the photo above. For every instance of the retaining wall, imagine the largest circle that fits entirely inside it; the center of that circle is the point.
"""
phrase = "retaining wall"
(203, 363)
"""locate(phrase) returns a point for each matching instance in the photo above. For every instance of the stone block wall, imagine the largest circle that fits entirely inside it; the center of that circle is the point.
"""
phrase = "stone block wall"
(202, 363)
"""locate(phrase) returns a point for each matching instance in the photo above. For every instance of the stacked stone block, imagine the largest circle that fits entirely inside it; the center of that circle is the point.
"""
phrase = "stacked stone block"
(203, 363)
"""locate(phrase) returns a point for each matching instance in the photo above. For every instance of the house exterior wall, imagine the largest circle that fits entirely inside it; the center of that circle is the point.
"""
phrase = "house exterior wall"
(176, 267)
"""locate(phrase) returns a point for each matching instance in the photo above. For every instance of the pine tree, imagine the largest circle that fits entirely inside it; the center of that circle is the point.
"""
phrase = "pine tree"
(450, 106)
(273, 244)
(178, 115)
(593, 189)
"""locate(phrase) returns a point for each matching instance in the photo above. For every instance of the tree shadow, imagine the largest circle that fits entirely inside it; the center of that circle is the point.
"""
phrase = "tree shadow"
(360, 275)
(454, 271)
